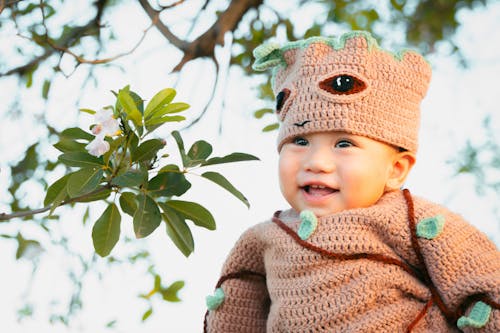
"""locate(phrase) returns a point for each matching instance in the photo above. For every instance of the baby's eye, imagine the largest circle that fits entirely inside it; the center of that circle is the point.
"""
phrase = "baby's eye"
(300, 141)
(344, 144)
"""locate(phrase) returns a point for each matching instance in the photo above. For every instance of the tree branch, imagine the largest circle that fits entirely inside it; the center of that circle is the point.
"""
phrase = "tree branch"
(64, 42)
(5, 217)
(165, 31)
(204, 45)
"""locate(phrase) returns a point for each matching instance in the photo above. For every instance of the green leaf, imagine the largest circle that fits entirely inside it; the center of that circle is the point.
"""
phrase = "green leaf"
(167, 184)
(27, 246)
(76, 133)
(161, 98)
(180, 145)
(45, 89)
(234, 157)
(270, 127)
(130, 178)
(53, 191)
(84, 181)
(129, 107)
(128, 203)
(147, 150)
(147, 314)
(169, 109)
(224, 183)
(261, 112)
(65, 145)
(178, 231)
(198, 153)
(81, 159)
(89, 111)
(192, 211)
(103, 193)
(166, 119)
(170, 294)
(147, 216)
(106, 230)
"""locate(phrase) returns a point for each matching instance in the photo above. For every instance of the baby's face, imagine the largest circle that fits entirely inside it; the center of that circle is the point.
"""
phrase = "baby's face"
(333, 171)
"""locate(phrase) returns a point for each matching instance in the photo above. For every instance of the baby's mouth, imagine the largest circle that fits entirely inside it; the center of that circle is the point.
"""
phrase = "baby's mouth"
(318, 190)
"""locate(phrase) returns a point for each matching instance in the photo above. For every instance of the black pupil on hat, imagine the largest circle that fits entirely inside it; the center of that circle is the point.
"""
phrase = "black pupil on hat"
(281, 98)
(343, 83)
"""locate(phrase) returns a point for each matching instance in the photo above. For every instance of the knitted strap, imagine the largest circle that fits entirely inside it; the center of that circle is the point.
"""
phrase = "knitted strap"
(243, 274)
(450, 316)
(333, 255)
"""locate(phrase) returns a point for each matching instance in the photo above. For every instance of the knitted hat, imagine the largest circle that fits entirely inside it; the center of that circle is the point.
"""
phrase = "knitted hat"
(347, 84)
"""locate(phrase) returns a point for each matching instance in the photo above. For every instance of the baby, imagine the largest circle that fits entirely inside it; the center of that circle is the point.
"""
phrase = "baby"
(354, 253)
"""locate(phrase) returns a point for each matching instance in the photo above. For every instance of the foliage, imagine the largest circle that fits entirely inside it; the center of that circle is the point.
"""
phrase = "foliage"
(129, 172)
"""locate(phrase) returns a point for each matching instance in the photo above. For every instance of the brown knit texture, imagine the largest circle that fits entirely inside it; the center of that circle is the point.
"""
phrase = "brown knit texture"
(384, 104)
(307, 291)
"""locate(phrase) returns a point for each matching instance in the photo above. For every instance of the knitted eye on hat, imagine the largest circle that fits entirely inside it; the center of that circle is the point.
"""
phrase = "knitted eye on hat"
(346, 84)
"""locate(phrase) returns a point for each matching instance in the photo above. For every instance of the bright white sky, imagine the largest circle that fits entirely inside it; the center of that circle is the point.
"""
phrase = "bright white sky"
(451, 113)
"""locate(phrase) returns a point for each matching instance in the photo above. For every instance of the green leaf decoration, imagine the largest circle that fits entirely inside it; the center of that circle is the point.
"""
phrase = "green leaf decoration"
(430, 227)
(67, 145)
(180, 145)
(106, 230)
(81, 160)
(214, 301)
(128, 203)
(147, 150)
(192, 211)
(130, 107)
(198, 153)
(477, 318)
(53, 191)
(170, 294)
(76, 133)
(170, 108)
(147, 216)
(161, 98)
(167, 184)
(224, 183)
(130, 178)
(178, 231)
(234, 157)
(84, 181)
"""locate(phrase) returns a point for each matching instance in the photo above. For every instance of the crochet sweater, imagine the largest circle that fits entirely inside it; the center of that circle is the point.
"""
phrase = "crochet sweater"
(359, 271)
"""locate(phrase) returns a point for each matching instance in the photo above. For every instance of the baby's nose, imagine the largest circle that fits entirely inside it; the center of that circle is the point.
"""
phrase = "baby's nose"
(319, 160)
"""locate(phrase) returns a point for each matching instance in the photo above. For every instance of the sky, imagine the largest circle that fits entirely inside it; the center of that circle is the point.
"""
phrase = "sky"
(452, 112)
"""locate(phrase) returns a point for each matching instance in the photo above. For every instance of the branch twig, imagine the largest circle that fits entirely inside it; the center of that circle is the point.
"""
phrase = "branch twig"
(5, 217)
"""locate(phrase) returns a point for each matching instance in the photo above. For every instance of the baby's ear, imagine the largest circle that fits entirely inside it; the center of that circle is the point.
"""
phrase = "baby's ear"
(401, 166)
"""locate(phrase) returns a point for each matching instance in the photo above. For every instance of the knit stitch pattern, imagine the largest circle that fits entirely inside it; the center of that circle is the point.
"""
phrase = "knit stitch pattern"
(305, 291)
(386, 108)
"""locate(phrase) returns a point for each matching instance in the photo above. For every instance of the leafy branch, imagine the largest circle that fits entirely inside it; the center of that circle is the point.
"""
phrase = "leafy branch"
(116, 158)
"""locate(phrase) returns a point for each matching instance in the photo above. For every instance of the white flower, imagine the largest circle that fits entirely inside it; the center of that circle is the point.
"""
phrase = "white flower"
(98, 146)
(106, 125)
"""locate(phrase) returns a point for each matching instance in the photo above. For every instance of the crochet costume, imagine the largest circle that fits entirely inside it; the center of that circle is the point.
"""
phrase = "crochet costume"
(403, 264)
(302, 290)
